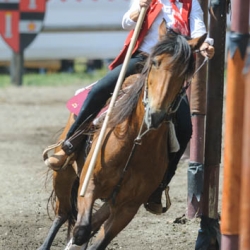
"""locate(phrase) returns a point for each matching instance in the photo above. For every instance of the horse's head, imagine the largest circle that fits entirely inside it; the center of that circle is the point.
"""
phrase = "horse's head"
(170, 64)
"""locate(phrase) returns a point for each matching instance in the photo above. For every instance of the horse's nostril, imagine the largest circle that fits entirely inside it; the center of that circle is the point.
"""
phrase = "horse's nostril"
(153, 120)
(157, 119)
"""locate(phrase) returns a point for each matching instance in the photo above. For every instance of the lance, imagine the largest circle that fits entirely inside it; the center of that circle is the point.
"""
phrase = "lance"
(113, 99)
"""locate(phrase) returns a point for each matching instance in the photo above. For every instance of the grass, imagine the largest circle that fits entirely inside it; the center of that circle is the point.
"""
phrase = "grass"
(56, 79)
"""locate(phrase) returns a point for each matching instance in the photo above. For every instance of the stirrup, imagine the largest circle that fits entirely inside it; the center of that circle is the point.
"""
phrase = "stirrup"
(51, 147)
(158, 209)
(168, 201)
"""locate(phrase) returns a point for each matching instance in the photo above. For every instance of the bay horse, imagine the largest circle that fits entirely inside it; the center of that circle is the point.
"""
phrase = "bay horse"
(134, 153)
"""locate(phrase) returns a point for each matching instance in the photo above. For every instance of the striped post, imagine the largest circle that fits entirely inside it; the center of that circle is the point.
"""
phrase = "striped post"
(244, 241)
(209, 233)
(230, 224)
(198, 111)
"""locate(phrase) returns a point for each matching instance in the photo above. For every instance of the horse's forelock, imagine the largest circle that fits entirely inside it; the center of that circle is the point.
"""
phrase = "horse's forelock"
(178, 48)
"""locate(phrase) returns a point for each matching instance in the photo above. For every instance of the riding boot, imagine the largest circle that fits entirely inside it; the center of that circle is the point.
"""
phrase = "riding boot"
(65, 156)
(154, 204)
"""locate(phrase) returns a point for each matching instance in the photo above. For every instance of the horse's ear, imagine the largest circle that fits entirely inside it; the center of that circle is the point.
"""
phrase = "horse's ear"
(162, 31)
(197, 42)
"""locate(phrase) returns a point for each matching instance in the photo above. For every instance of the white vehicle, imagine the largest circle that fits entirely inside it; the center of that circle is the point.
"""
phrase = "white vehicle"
(76, 28)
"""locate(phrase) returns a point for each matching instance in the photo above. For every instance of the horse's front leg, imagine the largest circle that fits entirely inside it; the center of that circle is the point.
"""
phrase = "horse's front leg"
(82, 229)
(120, 217)
(100, 216)
(97, 220)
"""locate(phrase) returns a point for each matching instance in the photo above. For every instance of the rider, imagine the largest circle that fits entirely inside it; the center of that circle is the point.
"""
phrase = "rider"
(185, 16)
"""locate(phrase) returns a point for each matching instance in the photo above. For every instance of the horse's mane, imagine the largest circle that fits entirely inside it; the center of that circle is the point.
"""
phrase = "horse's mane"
(182, 59)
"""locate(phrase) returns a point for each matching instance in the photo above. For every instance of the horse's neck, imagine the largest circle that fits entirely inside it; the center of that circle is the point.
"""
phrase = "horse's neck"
(132, 124)
(137, 117)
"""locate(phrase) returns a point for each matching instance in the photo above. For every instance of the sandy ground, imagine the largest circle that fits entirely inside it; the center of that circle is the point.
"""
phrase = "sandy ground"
(30, 120)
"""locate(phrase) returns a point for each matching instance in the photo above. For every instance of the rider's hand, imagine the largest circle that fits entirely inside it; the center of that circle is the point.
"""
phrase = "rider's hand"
(207, 50)
(145, 3)
(135, 14)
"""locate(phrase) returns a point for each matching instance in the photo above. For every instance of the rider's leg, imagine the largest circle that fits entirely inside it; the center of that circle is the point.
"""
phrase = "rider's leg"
(183, 129)
(94, 102)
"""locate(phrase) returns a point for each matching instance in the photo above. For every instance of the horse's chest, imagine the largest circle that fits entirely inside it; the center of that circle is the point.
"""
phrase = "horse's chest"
(147, 152)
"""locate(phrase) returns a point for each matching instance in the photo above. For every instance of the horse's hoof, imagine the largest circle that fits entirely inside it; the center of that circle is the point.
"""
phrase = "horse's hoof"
(154, 208)
(74, 247)
(81, 235)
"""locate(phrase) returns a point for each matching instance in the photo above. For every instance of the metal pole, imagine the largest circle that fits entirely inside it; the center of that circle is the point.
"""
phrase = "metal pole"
(112, 102)
(198, 111)
(234, 126)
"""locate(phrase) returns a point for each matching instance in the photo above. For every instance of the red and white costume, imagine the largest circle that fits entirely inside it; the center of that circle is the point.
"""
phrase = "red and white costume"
(191, 14)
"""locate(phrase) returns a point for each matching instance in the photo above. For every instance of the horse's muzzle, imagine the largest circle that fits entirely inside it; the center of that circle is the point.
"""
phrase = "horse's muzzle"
(154, 119)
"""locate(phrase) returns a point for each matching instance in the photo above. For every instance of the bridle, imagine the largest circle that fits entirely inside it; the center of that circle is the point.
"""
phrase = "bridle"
(176, 102)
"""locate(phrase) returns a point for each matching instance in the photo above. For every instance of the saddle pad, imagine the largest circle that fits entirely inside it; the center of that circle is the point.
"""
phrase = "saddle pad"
(74, 104)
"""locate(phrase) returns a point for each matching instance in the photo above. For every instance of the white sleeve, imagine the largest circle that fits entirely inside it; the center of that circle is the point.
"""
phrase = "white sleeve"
(127, 22)
(210, 41)
(197, 25)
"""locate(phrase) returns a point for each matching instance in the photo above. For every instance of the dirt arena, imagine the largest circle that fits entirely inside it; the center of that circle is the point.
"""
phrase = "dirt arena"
(30, 120)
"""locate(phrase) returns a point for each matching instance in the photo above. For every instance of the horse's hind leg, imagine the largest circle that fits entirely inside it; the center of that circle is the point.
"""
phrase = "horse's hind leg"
(62, 182)
(119, 218)
(57, 223)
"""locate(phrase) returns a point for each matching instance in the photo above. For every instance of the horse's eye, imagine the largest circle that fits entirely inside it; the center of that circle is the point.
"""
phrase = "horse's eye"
(156, 63)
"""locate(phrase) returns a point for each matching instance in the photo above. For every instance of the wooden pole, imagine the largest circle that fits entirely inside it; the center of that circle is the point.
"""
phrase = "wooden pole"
(16, 68)
(234, 126)
(215, 99)
(244, 240)
(113, 99)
